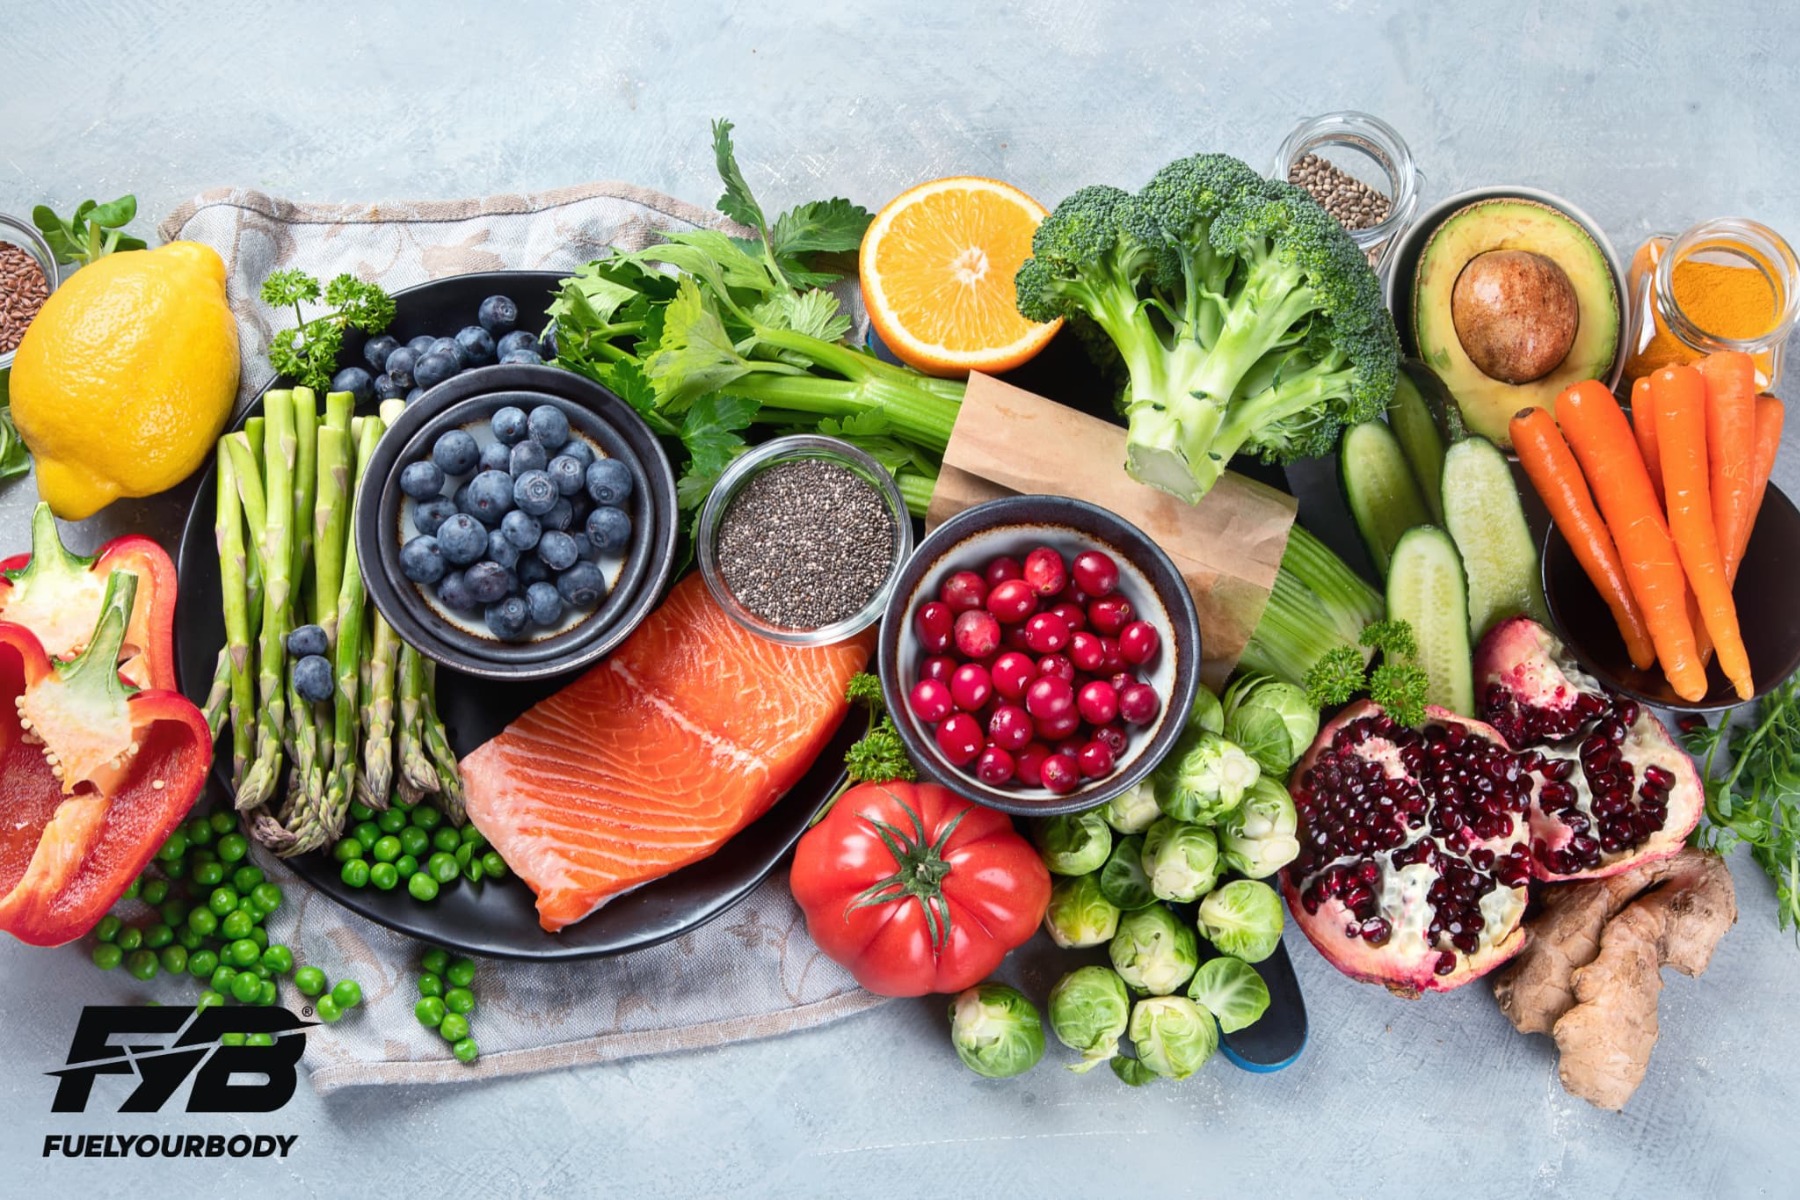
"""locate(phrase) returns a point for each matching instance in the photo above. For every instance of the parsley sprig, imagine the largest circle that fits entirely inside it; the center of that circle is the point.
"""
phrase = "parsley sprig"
(1757, 799)
(308, 353)
(1397, 683)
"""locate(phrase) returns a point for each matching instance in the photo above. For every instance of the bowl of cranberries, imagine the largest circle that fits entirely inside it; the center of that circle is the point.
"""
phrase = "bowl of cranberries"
(1039, 654)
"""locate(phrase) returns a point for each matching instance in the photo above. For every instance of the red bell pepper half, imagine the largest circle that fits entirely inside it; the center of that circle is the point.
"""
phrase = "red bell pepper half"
(57, 594)
(94, 776)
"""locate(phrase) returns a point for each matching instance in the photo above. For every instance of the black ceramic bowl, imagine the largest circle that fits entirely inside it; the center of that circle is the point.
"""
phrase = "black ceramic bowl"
(1765, 605)
(1014, 526)
(468, 399)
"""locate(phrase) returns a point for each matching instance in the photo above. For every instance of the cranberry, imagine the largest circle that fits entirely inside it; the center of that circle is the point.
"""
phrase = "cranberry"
(977, 634)
(1112, 660)
(1096, 573)
(1046, 633)
(1121, 680)
(1013, 637)
(1139, 642)
(1098, 702)
(1049, 696)
(1012, 601)
(1029, 764)
(971, 687)
(1046, 572)
(939, 667)
(1062, 725)
(1086, 651)
(959, 738)
(1139, 704)
(1074, 615)
(1057, 665)
(934, 624)
(1002, 569)
(931, 701)
(1112, 736)
(1060, 774)
(1011, 672)
(1110, 614)
(1010, 727)
(1095, 759)
(963, 591)
(994, 767)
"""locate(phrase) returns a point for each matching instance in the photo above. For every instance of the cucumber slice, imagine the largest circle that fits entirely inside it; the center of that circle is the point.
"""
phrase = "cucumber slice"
(1483, 514)
(1425, 588)
(1420, 440)
(1380, 488)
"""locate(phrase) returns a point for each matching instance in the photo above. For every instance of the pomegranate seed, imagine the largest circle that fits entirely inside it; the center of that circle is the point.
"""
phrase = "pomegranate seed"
(1139, 704)
(971, 687)
(1011, 673)
(1010, 727)
(1046, 572)
(1002, 569)
(959, 739)
(1098, 702)
(1096, 573)
(931, 701)
(994, 767)
(1110, 614)
(934, 624)
(1057, 665)
(977, 634)
(1112, 735)
(939, 667)
(963, 591)
(1095, 760)
(1139, 642)
(1073, 614)
(1659, 776)
(1011, 601)
(1028, 764)
(1086, 651)
(1060, 774)
(1046, 633)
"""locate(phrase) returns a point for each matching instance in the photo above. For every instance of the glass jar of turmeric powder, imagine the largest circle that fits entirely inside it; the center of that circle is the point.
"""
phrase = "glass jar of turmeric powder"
(1726, 284)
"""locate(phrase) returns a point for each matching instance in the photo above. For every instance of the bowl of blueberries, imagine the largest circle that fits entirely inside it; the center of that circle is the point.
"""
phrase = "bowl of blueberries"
(517, 520)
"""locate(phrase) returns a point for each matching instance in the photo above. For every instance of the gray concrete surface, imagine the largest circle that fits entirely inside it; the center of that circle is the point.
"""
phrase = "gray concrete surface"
(1648, 115)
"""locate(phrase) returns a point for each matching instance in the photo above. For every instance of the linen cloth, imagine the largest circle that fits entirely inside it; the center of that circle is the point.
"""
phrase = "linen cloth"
(752, 972)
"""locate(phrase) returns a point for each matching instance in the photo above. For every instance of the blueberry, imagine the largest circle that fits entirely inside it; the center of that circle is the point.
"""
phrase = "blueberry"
(509, 425)
(530, 358)
(545, 603)
(307, 639)
(460, 498)
(422, 558)
(429, 514)
(495, 456)
(420, 344)
(609, 481)
(450, 346)
(313, 679)
(567, 474)
(558, 550)
(490, 496)
(462, 538)
(582, 585)
(376, 351)
(509, 619)
(357, 382)
(400, 366)
(526, 456)
(500, 550)
(561, 516)
(476, 344)
(577, 449)
(434, 368)
(422, 480)
(548, 426)
(453, 593)
(521, 529)
(456, 452)
(532, 570)
(414, 394)
(609, 529)
(486, 581)
(387, 389)
(518, 339)
(497, 314)
(547, 343)
(534, 492)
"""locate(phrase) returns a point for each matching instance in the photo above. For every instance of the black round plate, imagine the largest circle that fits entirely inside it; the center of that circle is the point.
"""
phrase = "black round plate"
(499, 919)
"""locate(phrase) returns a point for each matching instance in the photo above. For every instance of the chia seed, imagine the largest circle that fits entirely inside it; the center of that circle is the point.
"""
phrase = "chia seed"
(806, 544)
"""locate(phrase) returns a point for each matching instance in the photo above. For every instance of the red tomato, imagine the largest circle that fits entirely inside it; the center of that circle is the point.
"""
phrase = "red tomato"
(938, 917)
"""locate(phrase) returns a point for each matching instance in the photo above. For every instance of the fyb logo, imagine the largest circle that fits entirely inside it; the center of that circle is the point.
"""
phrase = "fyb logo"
(161, 1068)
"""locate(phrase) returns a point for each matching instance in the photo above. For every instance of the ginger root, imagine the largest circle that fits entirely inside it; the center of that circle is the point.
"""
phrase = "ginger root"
(1591, 971)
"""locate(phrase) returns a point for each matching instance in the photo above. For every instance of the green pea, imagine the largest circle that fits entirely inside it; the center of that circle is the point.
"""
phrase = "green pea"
(463, 854)
(175, 847)
(237, 924)
(386, 849)
(262, 972)
(278, 959)
(472, 836)
(199, 832)
(223, 977)
(268, 896)
(360, 811)
(430, 1011)
(460, 973)
(108, 956)
(472, 870)
(155, 892)
(173, 912)
(202, 963)
(199, 855)
(260, 936)
(175, 868)
(384, 876)
(223, 822)
(435, 960)
(157, 935)
(465, 1050)
(422, 887)
(134, 890)
(427, 817)
(209, 874)
(493, 866)
(129, 939)
(391, 821)
(347, 993)
(406, 866)
(209, 999)
(347, 849)
(355, 873)
(232, 1039)
(246, 987)
(142, 964)
(414, 841)
(188, 940)
(203, 921)
(328, 1009)
(245, 879)
(445, 839)
(242, 953)
(259, 1039)
(309, 980)
(108, 928)
(367, 832)
(431, 984)
(454, 1027)
(232, 847)
(442, 867)
(223, 900)
(174, 959)
(268, 993)
(460, 1000)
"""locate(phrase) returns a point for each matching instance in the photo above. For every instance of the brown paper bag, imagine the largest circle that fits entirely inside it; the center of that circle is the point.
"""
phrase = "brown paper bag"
(1227, 547)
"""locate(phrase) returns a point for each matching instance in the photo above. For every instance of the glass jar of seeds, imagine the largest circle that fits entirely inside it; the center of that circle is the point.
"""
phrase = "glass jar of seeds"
(28, 274)
(1360, 171)
(802, 538)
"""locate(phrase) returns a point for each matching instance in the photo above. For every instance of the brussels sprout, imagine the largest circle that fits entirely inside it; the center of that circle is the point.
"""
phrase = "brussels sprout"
(1271, 720)
(1079, 915)
(1154, 950)
(1122, 879)
(1132, 810)
(1089, 1010)
(996, 1030)
(1181, 860)
(1074, 844)
(1207, 714)
(1172, 1035)
(1243, 918)
(1257, 837)
(1204, 778)
(1231, 990)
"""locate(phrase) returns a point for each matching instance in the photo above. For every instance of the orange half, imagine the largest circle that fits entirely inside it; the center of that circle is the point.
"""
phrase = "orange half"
(937, 268)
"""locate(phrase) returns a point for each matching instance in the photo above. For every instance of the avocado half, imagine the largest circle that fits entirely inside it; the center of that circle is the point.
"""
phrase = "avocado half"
(1488, 404)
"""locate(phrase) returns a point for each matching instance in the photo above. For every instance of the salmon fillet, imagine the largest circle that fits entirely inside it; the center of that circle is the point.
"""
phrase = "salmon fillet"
(688, 732)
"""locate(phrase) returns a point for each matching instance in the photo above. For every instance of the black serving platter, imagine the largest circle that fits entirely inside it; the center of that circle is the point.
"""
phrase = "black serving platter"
(498, 919)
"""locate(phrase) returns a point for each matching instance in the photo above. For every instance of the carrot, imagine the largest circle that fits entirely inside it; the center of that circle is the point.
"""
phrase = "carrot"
(1730, 445)
(1769, 414)
(1557, 478)
(1678, 399)
(1644, 425)
(1601, 439)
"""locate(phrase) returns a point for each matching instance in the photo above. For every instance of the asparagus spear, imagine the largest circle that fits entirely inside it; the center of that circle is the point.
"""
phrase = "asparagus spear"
(275, 548)
(218, 697)
(306, 433)
(331, 509)
(240, 497)
(416, 769)
(377, 778)
(443, 760)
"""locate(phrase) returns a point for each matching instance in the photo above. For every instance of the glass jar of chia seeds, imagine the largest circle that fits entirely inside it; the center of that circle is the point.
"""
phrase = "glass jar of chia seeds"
(1360, 170)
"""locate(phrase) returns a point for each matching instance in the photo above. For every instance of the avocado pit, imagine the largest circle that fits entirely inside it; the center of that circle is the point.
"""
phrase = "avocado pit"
(1515, 313)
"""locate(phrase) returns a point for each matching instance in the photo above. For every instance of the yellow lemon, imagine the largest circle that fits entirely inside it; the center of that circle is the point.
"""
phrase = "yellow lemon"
(127, 376)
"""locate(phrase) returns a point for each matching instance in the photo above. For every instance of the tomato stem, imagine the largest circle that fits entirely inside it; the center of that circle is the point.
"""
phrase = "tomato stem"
(920, 874)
